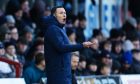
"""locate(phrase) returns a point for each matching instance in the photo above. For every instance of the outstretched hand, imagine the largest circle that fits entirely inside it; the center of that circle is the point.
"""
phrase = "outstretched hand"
(88, 44)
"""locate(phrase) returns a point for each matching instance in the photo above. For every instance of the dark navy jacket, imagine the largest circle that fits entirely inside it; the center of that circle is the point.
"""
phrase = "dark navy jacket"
(57, 52)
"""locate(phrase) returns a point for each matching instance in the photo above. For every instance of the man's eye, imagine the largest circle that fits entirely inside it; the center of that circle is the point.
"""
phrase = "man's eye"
(62, 13)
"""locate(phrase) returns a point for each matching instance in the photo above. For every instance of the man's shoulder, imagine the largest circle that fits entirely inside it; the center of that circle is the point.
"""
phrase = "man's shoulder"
(29, 69)
(53, 28)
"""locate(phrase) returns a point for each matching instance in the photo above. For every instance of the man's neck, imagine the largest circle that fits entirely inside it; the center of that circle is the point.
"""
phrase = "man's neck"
(39, 67)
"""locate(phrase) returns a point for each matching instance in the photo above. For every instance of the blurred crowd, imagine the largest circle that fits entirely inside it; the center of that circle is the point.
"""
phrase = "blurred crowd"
(118, 54)
(22, 41)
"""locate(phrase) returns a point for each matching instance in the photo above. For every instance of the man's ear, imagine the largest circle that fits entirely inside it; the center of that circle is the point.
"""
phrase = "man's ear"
(54, 15)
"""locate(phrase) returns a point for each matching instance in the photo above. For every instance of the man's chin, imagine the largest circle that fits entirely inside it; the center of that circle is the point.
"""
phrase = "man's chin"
(63, 23)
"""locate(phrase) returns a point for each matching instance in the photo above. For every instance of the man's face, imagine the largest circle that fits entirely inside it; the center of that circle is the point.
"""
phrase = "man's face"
(93, 67)
(82, 23)
(137, 56)
(106, 71)
(29, 36)
(11, 50)
(136, 44)
(2, 51)
(43, 65)
(25, 6)
(118, 48)
(107, 61)
(82, 64)
(14, 34)
(95, 41)
(74, 62)
(22, 47)
(60, 15)
(108, 47)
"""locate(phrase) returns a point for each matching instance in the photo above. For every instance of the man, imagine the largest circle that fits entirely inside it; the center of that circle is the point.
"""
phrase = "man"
(74, 65)
(135, 67)
(105, 70)
(5, 70)
(34, 73)
(58, 47)
(81, 70)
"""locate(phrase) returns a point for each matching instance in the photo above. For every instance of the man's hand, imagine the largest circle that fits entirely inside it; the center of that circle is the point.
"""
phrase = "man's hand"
(87, 44)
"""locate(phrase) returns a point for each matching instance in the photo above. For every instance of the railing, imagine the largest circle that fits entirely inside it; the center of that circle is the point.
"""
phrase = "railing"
(15, 64)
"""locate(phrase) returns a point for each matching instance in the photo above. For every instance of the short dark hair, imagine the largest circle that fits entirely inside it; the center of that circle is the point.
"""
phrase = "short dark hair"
(7, 44)
(38, 58)
(82, 58)
(75, 54)
(104, 65)
(53, 10)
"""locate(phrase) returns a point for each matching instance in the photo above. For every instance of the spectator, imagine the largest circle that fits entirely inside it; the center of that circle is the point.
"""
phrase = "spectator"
(117, 50)
(130, 29)
(106, 58)
(14, 9)
(5, 34)
(127, 56)
(105, 70)
(37, 47)
(135, 67)
(136, 42)
(14, 34)
(75, 22)
(93, 52)
(36, 13)
(74, 64)
(24, 4)
(28, 34)
(92, 67)
(33, 74)
(80, 37)
(21, 47)
(71, 35)
(98, 35)
(106, 45)
(123, 35)
(11, 52)
(5, 70)
(126, 62)
(81, 70)
(12, 6)
(115, 35)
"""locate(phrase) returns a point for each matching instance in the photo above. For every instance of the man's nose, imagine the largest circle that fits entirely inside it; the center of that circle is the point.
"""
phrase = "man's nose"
(64, 15)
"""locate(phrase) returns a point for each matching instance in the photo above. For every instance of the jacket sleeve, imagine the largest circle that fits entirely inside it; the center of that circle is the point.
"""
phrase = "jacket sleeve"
(54, 36)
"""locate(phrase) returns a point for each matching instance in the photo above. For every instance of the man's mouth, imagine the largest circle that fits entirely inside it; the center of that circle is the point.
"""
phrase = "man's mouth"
(64, 19)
